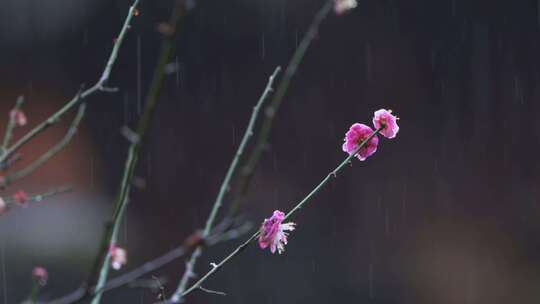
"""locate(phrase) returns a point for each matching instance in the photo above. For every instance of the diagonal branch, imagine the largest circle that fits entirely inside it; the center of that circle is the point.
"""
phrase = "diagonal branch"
(98, 87)
(99, 273)
(39, 197)
(311, 194)
(224, 186)
(51, 153)
(261, 145)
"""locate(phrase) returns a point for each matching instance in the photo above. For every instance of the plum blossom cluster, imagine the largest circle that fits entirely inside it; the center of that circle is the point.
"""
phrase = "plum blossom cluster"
(360, 141)
(384, 121)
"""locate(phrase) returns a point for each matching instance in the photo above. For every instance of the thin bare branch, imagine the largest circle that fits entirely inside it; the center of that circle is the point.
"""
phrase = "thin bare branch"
(189, 244)
(219, 293)
(298, 206)
(99, 273)
(76, 100)
(40, 196)
(51, 152)
(225, 186)
(261, 144)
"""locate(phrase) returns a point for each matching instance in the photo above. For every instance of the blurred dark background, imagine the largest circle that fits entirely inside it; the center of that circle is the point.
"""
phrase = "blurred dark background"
(448, 212)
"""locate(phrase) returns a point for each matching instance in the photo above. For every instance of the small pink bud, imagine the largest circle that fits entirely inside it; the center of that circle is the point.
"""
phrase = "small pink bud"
(118, 257)
(41, 275)
(18, 117)
(21, 197)
(342, 6)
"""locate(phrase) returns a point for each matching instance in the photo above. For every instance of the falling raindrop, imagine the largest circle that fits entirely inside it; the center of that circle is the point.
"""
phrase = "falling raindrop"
(91, 172)
(387, 222)
(403, 200)
(296, 38)
(276, 196)
(233, 135)
(443, 89)
(126, 109)
(177, 71)
(368, 61)
(85, 37)
(4, 277)
(304, 157)
(517, 88)
(262, 46)
(139, 72)
(149, 163)
(126, 227)
(538, 12)
(370, 277)
(433, 58)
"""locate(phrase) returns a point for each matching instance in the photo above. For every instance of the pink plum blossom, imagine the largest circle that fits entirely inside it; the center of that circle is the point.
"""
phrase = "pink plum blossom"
(3, 206)
(18, 117)
(41, 275)
(118, 257)
(385, 118)
(273, 233)
(21, 197)
(357, 134)
(342, 6)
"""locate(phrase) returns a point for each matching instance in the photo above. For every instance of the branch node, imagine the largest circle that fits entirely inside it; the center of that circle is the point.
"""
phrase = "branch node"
(108, 89)
(130, 135)
(219, 293)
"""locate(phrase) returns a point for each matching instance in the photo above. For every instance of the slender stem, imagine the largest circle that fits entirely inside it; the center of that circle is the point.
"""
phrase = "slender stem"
(101, 266)
(99, 86)
(270, 112)
(189, 244)
(51, 152)
(140, 271)
(234, 164)
(34, 292)
(11, 123)
(42, 196)
(240, 248)
(190, 265)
